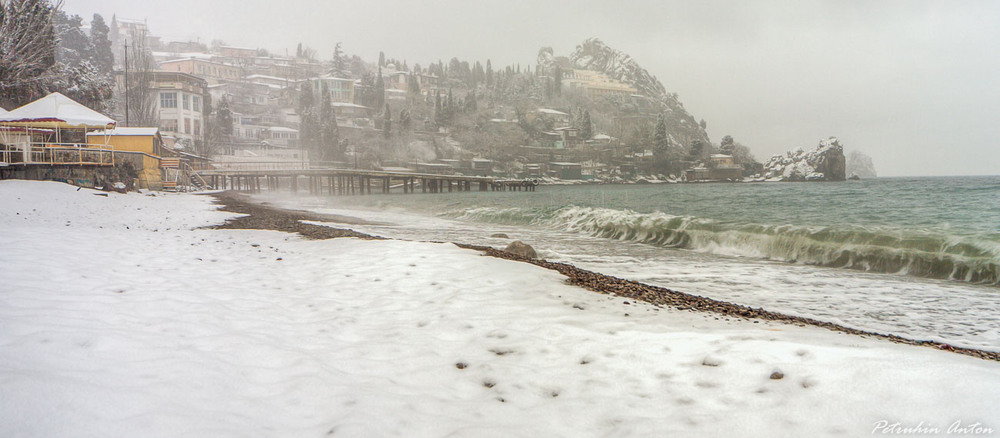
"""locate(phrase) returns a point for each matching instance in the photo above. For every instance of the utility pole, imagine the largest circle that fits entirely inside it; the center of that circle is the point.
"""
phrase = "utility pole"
(126, 82)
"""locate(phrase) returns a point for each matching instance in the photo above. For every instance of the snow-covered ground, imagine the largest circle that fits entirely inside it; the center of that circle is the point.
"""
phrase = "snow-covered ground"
(120, 317)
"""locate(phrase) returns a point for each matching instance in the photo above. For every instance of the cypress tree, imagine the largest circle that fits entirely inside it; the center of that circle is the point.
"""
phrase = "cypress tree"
(379, 90)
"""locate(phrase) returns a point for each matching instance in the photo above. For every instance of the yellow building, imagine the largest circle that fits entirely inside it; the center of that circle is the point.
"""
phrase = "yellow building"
(595, 84)
(143, 147)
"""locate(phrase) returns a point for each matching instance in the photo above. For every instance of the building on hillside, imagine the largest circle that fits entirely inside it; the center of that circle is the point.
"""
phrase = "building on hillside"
(352, 115)
(179, 100)
(212, 70)
(595, 84)
(184, 47)
(293, 70)
(279, 136)
(564, 170)
(435, 168)
(720, 167)
(569, 136)
(395, 79)
(395, 96)
(243, 97)
(273, 81)
(557, 117)
(247, 128)
(242, 53)
(340, 89)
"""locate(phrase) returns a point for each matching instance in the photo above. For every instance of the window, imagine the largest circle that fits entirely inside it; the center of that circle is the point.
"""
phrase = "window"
(168, 125)
(168, 100)
(187, 126)
(187, 101)
(196, 101)
(197, 127)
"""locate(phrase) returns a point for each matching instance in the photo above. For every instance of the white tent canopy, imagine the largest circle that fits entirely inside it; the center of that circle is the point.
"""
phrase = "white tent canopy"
(56, 111)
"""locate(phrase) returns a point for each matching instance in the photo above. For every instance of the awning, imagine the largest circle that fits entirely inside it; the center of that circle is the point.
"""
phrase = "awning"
(56, 111)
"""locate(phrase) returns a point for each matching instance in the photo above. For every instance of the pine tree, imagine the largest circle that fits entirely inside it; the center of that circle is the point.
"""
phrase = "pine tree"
(587, 128)
(341, 66)
(697, 149)
(224, 118)
(100, 39)
(660, 140)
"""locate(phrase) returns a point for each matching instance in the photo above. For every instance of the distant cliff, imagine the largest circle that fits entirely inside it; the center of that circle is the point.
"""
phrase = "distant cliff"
(825, 163)
(861, 165)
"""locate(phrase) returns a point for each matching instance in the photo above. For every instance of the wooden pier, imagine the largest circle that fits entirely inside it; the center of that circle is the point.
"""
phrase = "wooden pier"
(356, 182)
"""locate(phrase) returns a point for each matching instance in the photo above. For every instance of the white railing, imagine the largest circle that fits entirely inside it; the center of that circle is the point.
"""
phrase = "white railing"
(56, 154)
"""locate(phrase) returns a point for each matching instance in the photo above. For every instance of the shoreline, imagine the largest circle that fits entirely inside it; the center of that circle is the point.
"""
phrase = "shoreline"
(261, 216)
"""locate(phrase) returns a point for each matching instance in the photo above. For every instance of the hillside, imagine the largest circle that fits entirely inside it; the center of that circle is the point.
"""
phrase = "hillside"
(593, 54)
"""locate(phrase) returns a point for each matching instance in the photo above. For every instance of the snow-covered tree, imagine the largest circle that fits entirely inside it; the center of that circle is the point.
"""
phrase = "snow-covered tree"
(104, 58)
(73, 46)
(660, 140)
(27, 50)
(727, 144)
(341, 65)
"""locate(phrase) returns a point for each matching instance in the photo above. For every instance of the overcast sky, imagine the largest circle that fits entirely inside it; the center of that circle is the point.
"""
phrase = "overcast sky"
(911, 83)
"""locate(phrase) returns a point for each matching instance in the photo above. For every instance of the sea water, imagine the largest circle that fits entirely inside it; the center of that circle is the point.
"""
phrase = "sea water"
(915, 257)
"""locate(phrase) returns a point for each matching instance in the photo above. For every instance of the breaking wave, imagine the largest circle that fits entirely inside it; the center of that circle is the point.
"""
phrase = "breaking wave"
(973, 259)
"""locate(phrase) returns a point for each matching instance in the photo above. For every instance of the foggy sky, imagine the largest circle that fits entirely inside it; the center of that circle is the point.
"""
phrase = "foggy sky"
(911, 83)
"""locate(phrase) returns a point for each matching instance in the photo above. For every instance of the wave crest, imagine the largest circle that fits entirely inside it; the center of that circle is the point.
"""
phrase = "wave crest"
(913, 252)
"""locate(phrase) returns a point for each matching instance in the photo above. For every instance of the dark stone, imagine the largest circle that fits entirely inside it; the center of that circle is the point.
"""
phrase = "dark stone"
(500, 236)
(522, 249)
(777, 375)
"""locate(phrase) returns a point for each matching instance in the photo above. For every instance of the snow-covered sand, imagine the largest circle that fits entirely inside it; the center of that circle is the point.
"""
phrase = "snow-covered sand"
(120, 317)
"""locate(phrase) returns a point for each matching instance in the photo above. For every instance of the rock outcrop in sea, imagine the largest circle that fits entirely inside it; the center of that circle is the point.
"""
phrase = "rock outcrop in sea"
(861, 165)
(825, 163)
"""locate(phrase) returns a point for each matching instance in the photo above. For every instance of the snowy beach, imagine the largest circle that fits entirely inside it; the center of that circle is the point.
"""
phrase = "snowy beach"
(124, 315)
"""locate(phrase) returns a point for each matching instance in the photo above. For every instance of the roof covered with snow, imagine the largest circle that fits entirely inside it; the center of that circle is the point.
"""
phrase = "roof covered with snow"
(57, 110)
(552, 112)
(347, 105)
(127, 131)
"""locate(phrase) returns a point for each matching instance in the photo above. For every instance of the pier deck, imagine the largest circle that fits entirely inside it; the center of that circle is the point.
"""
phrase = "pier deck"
(356, 182)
